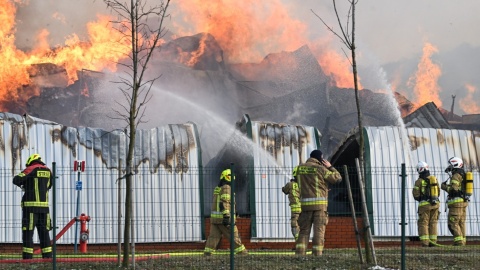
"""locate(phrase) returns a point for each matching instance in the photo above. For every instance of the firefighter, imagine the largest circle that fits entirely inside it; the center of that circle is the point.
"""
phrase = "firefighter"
(35, 181)
(221, 215)
(291, 189)
(457, 202)
(313, 178)
(425, 191)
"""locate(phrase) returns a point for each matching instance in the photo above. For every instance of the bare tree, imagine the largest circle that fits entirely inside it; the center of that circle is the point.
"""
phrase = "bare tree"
(141, 26)
(347, 37)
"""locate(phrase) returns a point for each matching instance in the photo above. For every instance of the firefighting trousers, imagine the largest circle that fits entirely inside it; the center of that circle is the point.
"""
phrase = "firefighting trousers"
(216, 233)
(294, 225)
(319, 220)
(456, 222)
(427, 223)
(41, 221)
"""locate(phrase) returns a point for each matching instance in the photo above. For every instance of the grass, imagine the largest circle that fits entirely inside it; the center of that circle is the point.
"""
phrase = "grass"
(446, 257)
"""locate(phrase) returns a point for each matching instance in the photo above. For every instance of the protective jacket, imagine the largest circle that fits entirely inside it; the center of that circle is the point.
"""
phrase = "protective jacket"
(221, 203)
(427, 210)
(313, 179)
(220, 221)
(454, 189)
(457, 207)
(35, 181)
(419, 192)
(291, 189)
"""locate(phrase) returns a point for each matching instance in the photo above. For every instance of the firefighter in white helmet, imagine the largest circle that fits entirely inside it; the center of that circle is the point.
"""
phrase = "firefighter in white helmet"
(313, 178)
(457, 201)
(425, 191)
(291, 189)
(221, 215)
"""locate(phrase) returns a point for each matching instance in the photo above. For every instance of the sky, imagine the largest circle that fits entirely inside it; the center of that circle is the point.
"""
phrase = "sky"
(386, 31)
(393, 30)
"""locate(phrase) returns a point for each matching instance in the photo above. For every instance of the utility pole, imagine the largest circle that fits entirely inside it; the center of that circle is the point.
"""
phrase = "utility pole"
(451, 109)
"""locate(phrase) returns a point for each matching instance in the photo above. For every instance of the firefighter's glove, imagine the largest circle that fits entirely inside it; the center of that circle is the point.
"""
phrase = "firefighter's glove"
(226, 220)
(444, 186)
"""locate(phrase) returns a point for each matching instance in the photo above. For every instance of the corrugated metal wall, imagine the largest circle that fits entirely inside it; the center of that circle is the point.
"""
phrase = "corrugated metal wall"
(166, 182)
(389, 147)
(278, 149)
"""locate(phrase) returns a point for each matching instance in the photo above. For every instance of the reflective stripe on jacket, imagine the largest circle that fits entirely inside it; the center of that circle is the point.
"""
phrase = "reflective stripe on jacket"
(220, 204)
(291, 189)
(313, 179)
(455, 192)
(419, 192)
(35, 180)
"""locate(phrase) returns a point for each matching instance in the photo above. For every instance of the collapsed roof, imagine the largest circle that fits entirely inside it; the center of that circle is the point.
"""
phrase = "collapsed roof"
(285, 87)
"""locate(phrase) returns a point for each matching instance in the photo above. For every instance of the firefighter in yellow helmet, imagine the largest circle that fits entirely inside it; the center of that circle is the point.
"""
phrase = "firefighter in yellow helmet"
(221, 215)
(35, 181)
(313, 178)
(291, 189)
(425, 191)
(457, 201)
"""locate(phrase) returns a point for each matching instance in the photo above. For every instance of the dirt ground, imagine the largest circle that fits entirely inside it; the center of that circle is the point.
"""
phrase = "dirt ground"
(387, 258)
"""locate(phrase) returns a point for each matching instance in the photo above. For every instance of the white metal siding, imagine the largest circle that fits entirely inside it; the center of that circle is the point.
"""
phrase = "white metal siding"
(279, 148)
(387, 151)
(166, 182)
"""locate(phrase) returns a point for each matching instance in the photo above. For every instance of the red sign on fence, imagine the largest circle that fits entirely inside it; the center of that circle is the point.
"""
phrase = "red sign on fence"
(79, 165)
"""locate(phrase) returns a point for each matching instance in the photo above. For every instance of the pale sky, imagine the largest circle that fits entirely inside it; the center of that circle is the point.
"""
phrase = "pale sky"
(398, 29)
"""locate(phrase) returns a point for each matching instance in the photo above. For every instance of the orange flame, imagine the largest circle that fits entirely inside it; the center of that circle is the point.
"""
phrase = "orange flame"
(198, 53)
(245, 30)
(248, 30)
(425, 86)
(468, 104)
(336, 66)
(103, 50)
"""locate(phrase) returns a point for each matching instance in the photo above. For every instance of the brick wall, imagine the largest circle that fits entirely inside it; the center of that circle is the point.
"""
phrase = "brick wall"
(340, 234)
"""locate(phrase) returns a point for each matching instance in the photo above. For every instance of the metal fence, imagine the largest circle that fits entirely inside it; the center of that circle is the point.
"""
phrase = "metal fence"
(171, 220)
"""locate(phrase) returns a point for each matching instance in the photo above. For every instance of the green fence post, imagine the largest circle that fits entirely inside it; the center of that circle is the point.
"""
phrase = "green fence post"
(404, 176)
(54, 214)
(232, 217)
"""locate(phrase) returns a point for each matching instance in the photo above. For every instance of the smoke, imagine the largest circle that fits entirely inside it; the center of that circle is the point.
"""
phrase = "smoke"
(246, 30)
(249, 30)
(62, 18)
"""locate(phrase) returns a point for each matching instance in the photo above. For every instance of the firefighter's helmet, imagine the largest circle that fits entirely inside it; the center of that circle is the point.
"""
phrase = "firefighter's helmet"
(32, 158)
(226, 175)
(422, 166)
(456, 162)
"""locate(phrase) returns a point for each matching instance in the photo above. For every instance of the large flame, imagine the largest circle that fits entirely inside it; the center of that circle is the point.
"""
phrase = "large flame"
(248, 30)
(468, 103)
(12, 74)
(105, 47)
(336, 66)
(101, 52)
(425, 80)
